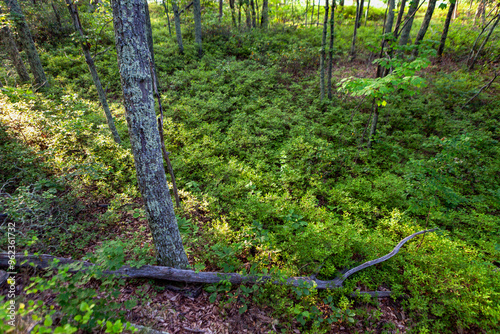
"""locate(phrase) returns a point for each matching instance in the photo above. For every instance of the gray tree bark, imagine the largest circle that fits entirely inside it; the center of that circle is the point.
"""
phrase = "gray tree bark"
(312, 14)
(149, 36)
(197, 26)
(471, 66)
(264, 22)
(405, 32)
(233, 14)
(323, 51)
(402, 6)
(330, 52)
(307, 7)
(8, 42)
(73, 12)
(177, 22)
(446, 28)
(220, 10)
(425, 25)
(27, 43)
(367, 11)
(134, 62)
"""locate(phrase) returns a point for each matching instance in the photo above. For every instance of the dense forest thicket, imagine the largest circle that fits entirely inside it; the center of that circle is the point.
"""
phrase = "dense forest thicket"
(296, 153)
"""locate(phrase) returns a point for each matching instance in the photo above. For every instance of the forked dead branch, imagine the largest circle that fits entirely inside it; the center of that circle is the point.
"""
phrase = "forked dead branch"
(191, 276)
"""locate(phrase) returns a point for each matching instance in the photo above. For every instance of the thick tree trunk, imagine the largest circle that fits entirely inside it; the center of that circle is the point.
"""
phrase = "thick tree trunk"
(446, 28)
(27, 43)
(402, 6)
(405, 32)
(361, 5)
(134, 62)
(197, 26)
(165, 7)
(264, 22)
(177, 22)
(330, 52)
(390, 17)
(73, 12)
(8, 42)
(424, 26)
(323, 51)
(353, 43)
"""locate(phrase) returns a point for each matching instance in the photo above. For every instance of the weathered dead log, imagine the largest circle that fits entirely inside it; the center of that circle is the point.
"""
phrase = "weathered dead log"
(191, 276)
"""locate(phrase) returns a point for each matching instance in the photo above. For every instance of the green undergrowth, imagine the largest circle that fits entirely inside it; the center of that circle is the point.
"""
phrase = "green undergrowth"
(272, 178)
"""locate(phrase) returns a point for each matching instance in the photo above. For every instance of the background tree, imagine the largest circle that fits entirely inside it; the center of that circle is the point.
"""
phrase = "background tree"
(27, 42)
(9, 44)
(330, 52)
(406, 28)
(446, 28)
(197, 26)
(73, 12)
(323, 51)
(361, 5)
(137, 83)
(425, 25)
(177, 22)
(165, 7)
(264, 22)
(353, 43)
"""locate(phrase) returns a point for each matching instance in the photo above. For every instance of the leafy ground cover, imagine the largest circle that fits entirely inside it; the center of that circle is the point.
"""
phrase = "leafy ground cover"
(271, 180)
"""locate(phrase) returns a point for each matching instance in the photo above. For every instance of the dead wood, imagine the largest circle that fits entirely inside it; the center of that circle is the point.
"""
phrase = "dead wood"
(191, 276)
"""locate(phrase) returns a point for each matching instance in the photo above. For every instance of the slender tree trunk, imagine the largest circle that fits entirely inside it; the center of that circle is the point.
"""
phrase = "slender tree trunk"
(248, 17)
(307, 7)
(330, 52)
(323, 51)
(341, 4)
(402, 6)
(405, 32)
(356, 21)
(177, 23)
(220, 10)
(197, 26)
(455, 11)
(73, 12)
(27, 43)
(445, 29)
(317, 20)
(8, 42)
(425, 25)
(134, 63)
(312, 14)
(254, 15)
(480, 12)
(149, 36)
(165, 7)
(56, 14)
(367, 11)
(233, 14)
(264, 22)
(361, 5)
(239, 15)
(471, 66)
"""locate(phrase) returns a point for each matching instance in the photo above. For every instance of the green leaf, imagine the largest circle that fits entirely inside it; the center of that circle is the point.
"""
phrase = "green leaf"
(243, 309)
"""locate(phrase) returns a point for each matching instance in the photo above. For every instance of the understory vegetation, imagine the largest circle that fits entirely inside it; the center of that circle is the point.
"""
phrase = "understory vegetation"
(271, 179)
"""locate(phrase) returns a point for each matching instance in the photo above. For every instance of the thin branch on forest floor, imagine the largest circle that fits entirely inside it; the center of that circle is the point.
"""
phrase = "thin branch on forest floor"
(480, 90)
(191, 276)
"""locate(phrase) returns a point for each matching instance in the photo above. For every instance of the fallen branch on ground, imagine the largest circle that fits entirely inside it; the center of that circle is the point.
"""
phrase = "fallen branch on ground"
(191, 276)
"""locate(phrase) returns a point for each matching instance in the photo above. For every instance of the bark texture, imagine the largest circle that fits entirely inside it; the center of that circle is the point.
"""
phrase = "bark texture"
(425, 25)
(405, 31)
(197, 26)
(400, 15)
(134, 62)
(446, 28)
(323, 51)
(73, 12)
(177, 23)
(27, 43)
(8, 42)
